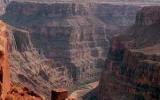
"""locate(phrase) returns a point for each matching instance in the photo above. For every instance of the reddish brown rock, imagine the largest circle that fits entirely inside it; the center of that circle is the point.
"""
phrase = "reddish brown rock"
(10, 91)
(5, 72)
(18, 92)
(59, 94)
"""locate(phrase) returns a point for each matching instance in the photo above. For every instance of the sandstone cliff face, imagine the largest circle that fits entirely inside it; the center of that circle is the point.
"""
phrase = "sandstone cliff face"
(4, 70)
(9, 91)
(134, 73)
(66, 43)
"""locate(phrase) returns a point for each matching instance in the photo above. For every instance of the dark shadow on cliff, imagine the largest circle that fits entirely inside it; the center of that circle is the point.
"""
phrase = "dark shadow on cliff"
(92, 95)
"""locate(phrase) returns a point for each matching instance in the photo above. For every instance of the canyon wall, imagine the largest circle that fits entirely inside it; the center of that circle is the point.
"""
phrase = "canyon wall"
(147, 25)
(9, 90)
(65, 43)
(32, 68)
(148, 16)
(132, 68)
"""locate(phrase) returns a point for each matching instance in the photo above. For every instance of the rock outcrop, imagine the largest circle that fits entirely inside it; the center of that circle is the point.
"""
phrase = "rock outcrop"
(22, 53)
(132, 70)
(32, 68)
(9, 91)
(148, 16)
(5, 72)
(135, 78)
(19, 92)
(59, 94)
(147, 25)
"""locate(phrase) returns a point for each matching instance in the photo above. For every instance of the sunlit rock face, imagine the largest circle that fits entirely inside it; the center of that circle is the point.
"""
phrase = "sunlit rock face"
(134, 73)
(8, 90)
(65, 44)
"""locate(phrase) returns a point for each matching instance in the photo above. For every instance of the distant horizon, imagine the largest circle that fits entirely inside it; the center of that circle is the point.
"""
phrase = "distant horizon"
(115, 2)
(87, 0)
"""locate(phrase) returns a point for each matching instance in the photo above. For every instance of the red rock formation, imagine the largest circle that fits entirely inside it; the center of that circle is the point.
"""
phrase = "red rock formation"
(18, 92)
(10, 91)
(5, 73)
(59, 94)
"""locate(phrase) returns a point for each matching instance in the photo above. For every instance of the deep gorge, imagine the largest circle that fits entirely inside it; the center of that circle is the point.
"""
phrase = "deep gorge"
(65, 45)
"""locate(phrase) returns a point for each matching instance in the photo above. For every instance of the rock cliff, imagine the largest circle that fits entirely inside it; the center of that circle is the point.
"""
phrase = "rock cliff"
(136, 78)
(32, 68)
(8, 90)
(148, 16)
(133, 64)
(65, 43)
(147, 25)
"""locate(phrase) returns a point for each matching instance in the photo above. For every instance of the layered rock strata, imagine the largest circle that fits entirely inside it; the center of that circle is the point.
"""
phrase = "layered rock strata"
(65, 44)
(9, 91)
(133, 74)
(135, 78)
(147, 26)
(32, 68)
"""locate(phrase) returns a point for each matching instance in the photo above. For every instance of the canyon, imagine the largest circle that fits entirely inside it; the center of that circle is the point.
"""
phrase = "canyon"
(62, 45)
(65, 45)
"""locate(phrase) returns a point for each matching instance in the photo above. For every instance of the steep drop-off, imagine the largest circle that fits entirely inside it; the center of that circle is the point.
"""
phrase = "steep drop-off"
(147, 26)
(132, 69)
(32, 68)
(9, 90)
